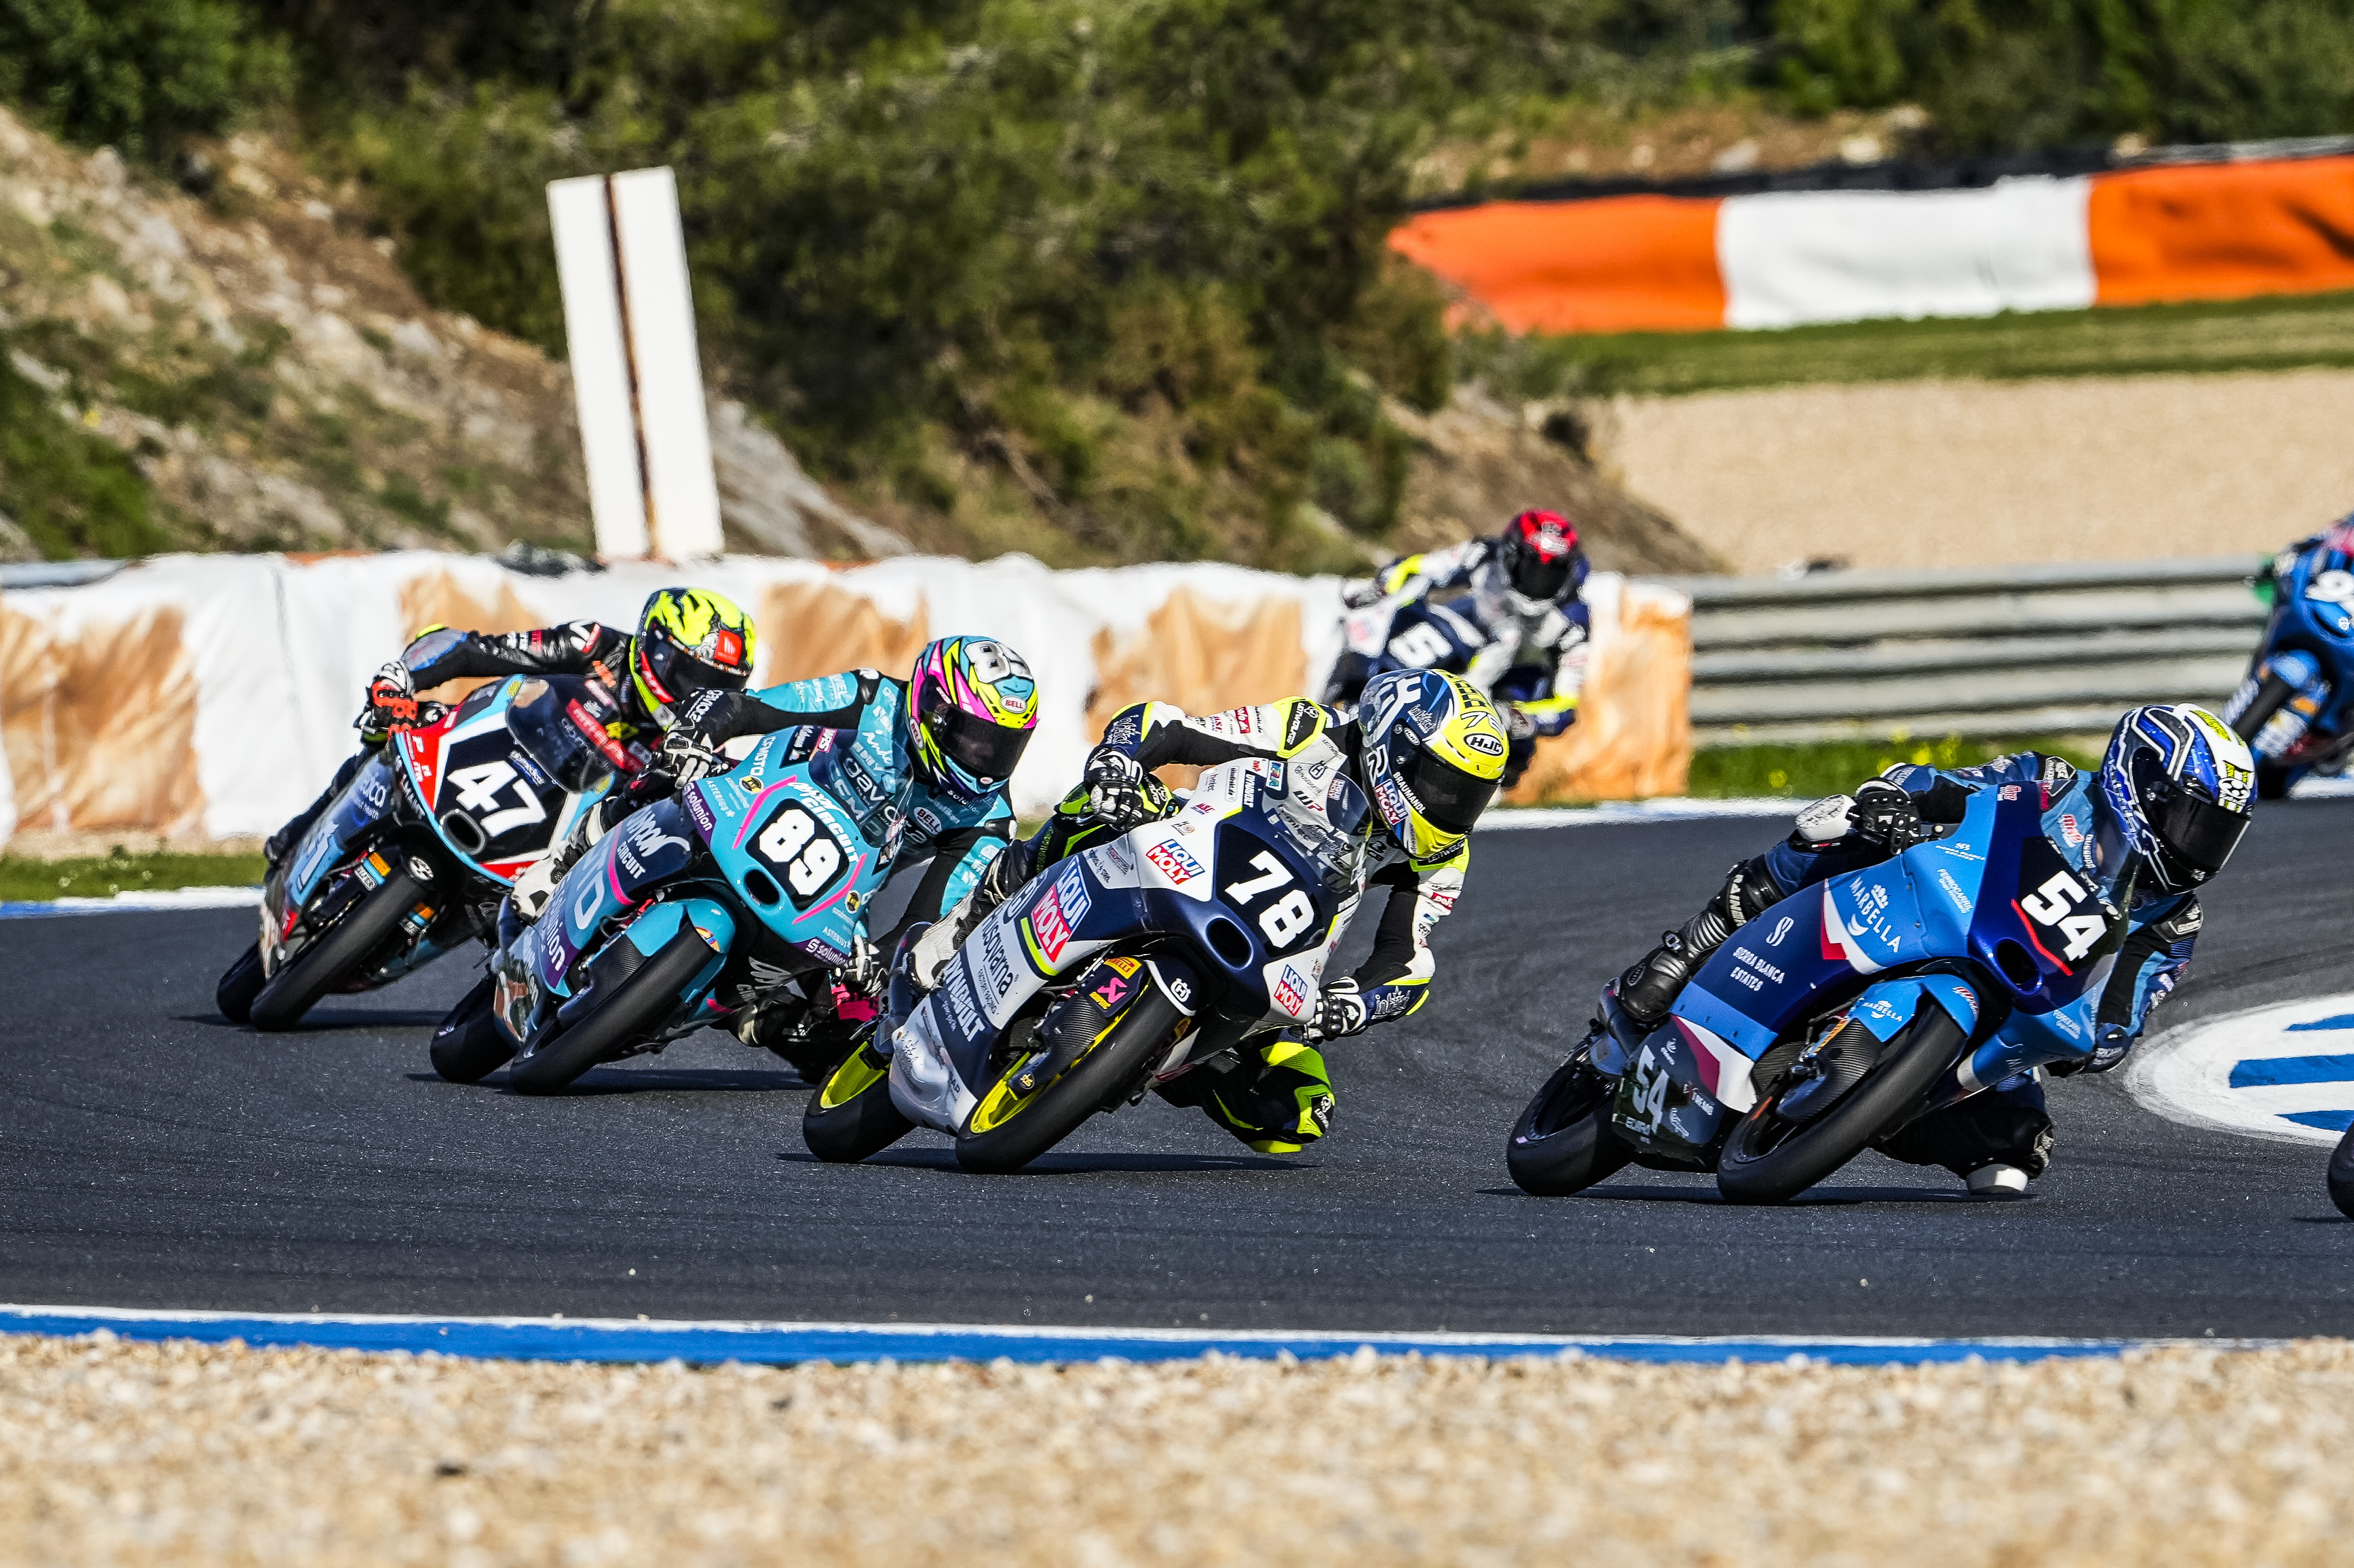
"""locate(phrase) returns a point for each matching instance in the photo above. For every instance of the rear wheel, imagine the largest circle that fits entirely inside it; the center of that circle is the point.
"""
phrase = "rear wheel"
(2341, 1175)
(637, 1008)
(1010, 1128)
(851, 1115)
(1771, 1158)
(336, 955)
(1562, 1142)
(240, 985)
(470, 1047)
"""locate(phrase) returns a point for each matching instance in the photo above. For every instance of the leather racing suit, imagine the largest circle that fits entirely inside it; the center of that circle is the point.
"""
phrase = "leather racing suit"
(1278, 1097)
(2009, 1124)
(1532, 666)
(438, 654)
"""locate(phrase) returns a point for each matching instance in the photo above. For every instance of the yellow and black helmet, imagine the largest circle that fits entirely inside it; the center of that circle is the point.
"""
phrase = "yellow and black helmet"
(689, 641)
(1434, 751)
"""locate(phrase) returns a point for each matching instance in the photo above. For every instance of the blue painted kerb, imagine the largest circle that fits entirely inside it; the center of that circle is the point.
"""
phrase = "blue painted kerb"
(617, 1340)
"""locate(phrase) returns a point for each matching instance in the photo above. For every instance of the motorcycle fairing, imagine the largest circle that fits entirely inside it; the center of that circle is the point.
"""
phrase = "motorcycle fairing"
(643, 851)
(788, 846)
(2045, 934)
(491, 802)
(2309, 642)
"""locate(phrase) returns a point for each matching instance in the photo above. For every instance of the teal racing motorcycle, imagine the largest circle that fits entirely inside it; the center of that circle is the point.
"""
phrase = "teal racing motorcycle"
(744, 887)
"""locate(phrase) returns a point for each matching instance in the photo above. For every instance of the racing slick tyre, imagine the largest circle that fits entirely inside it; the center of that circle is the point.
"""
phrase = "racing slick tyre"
(1771, 1158)
(470, 1047)
(1008, 1129)
(240, 985)
(339, 951)
(638, 1006)
(1562, 1142)
(2341, 1175)
(851, 1115)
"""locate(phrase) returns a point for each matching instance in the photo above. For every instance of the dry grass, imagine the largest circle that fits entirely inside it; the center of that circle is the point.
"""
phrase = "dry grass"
(125, 1452)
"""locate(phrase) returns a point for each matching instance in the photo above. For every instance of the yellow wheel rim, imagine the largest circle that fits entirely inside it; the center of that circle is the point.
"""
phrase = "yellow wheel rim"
(852, 1078)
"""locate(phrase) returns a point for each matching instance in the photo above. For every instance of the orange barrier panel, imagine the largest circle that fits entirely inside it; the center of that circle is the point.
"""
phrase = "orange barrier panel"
(1637, 263)
(2223, 231)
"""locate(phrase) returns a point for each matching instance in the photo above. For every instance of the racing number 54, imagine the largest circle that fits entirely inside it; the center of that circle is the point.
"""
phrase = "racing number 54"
(1287, 916)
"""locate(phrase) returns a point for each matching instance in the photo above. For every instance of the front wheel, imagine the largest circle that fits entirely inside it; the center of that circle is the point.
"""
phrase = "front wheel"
(851, 1115)
(1010, 1127)
(240, 985)
(2341, 1175)
(2271, 695)
(338, 953)
(1771, 1158)
(1562, 1142)
(637, 1008)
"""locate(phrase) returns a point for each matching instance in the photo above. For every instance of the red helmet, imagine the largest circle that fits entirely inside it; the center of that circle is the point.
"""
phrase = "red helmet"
(1540, 556)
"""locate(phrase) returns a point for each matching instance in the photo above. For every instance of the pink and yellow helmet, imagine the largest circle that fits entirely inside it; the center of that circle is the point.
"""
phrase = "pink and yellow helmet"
(972, 704)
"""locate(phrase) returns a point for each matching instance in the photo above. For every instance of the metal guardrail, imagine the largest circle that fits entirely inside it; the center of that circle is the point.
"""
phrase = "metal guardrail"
(1977, 651)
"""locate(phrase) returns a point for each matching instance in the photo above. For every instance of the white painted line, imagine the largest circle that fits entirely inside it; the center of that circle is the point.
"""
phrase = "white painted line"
(1669, 808)
(2321, 789)
(121, 902)
(710, 1342)
(2284, 1074)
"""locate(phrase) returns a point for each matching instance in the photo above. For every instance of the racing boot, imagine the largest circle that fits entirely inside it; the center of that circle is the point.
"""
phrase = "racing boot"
(938, 943)
(279, 844)
(1649, 988)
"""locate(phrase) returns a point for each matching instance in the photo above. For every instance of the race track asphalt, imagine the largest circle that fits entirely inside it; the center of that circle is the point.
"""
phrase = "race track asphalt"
(152, 1155)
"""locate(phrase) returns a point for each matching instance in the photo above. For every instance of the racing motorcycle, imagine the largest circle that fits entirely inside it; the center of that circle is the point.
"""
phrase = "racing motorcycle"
(744, 888)
(1842, 1014)
(1139, 961)
(2292, 709)
(1403, 633)
(413, 857)
(2341, 1174)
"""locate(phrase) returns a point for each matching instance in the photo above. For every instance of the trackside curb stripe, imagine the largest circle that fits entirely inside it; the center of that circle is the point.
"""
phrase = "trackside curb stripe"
(620, 1340)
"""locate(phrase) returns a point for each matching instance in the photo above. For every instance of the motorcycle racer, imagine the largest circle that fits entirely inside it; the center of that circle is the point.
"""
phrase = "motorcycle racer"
(2158, 821)
(1426, 747)
(1520, 590)
(688, 640)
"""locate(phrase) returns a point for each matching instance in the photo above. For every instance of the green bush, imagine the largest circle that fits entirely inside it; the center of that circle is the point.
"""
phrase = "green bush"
(140, 74)
(72, 493)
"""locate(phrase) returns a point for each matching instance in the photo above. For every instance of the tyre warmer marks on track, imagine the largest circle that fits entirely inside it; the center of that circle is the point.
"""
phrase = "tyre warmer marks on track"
(710, 1343)
(2285, 1073)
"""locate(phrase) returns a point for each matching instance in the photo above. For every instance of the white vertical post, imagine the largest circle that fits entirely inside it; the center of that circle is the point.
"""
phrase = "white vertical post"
(629, 322)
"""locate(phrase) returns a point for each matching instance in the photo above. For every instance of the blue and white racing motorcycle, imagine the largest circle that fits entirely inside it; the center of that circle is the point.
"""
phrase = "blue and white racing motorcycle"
(745, 886)
(1844, 1013)
(413, 856)
(1132, 963)
(2293, 708)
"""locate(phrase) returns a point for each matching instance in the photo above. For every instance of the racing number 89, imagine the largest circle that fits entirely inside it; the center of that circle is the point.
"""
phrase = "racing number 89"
(809, 856)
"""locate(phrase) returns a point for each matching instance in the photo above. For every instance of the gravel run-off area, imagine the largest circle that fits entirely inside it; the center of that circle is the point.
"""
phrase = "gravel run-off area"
(1958, 474)
(121, 1452)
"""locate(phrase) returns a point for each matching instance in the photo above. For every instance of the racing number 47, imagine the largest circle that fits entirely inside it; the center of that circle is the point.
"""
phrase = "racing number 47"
(1285, 918)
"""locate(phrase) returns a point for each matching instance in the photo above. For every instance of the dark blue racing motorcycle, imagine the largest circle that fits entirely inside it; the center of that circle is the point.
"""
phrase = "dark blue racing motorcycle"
(1841, 1015)
(2292, 707)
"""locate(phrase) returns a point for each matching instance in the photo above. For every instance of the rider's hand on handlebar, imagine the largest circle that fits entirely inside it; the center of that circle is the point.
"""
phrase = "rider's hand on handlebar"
(1359, 592)
(391, 701)
(1340, 1011)
(1884, 815)
(1118, 790)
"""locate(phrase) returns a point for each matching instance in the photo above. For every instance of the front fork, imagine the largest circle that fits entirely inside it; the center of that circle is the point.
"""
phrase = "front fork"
(2309, 690)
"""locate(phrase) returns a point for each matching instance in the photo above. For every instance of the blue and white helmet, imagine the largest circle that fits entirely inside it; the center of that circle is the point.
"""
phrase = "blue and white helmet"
(2178, 783)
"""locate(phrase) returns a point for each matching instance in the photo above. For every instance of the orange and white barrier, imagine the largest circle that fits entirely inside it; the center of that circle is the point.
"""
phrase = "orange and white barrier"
(1634, 263)
(214, 694)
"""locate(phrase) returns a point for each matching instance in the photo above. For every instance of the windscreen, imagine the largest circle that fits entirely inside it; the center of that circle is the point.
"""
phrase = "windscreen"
(542, 722)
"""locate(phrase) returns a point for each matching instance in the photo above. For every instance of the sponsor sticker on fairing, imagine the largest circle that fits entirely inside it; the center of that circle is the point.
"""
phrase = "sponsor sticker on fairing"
(1057, 916)
(1291, 991)
(995, 961)
(700, 811)
(1175, 863)
(959, 990)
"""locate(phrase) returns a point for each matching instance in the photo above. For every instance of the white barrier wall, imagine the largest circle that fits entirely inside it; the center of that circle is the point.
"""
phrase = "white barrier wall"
(215, 693)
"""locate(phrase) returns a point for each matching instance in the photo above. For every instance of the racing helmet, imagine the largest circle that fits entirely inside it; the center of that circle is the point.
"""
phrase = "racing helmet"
(689, 641)
(972, 706)
(1542, 561)
(2178, 782)
(1433, 749)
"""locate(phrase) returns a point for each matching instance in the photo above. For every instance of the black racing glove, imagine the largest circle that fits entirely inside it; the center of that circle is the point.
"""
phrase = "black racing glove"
(1884, 815)
(1119, 792)
(391, 701)
(1339, 1012)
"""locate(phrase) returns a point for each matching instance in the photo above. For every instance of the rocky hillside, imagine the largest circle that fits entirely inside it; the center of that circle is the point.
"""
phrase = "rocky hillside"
(236, 362)
(237, 365)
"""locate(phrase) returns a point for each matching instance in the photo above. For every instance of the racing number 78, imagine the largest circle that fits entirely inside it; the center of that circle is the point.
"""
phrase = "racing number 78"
(1287, 916)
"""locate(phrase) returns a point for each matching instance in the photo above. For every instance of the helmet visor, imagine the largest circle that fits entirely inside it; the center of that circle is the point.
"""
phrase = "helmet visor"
(1539, 578)
(1449, 799)
(986, 751)
(677, 675)
(2196, 832)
